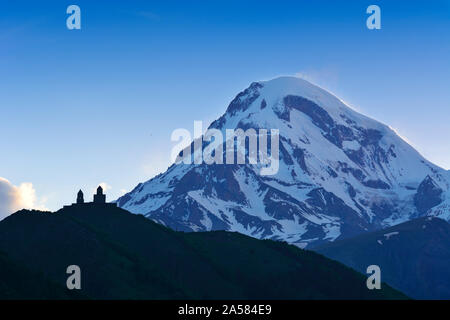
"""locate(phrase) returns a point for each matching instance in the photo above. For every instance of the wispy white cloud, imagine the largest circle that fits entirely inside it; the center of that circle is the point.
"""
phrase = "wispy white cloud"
(105, 186)
(14, 198)
(324, 77)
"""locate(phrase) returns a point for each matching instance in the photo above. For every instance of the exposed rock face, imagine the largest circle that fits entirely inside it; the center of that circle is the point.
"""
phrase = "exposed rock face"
(428, 195)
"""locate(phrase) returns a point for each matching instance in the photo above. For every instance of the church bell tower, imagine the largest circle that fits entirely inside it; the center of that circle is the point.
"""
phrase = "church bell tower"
(99, 197)
(80, 197)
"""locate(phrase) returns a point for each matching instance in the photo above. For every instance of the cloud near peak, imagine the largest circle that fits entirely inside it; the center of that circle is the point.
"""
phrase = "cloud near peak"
(14, 198)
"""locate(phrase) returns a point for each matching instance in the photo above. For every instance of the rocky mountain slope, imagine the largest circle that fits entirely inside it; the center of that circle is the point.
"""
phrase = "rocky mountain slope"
(340, 173)
(414, 256)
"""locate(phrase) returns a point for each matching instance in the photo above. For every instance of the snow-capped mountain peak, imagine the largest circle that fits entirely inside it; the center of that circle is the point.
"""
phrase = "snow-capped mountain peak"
(340, 173)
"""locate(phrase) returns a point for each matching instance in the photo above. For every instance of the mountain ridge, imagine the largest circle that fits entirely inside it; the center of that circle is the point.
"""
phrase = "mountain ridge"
(413, 256)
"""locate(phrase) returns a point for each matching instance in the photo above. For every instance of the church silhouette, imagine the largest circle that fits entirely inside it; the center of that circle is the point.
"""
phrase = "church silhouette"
(99, 200)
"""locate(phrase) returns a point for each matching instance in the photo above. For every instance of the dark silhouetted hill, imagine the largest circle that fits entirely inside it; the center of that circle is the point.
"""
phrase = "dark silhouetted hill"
(127, 256)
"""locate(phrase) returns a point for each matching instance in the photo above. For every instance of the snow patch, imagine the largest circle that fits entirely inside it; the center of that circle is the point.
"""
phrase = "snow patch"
(351, 145)
(390, 234)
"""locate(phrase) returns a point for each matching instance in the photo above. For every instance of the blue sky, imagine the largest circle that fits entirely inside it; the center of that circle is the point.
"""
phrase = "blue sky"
(81, 107)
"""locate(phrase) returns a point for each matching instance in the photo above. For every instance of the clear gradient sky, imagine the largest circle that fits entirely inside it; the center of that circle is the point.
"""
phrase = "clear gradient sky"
(99, 104)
